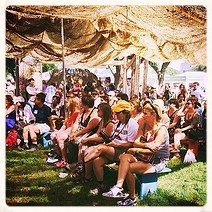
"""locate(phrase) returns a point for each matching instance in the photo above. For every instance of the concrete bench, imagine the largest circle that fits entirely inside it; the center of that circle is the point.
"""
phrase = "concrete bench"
(149, 182)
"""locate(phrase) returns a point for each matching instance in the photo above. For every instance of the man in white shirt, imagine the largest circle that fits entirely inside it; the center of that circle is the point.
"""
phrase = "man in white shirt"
(31, 89)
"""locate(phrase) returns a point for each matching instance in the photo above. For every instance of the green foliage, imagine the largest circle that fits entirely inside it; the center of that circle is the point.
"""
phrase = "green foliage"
(10, 66)
(155, 66)
(199, 68)
(30, 181)
(172, 71)
(48, 67)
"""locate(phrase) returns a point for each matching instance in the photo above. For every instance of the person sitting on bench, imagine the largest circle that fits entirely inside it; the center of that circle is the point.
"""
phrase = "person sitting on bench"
(157, 140)
(43, 122)
(191, 121)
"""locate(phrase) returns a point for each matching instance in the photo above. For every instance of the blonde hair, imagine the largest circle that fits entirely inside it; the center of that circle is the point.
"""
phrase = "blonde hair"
(136, 103)
(153, 109)
(73, 105)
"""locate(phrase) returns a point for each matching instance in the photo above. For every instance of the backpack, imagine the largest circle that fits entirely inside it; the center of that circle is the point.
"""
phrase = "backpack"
(11, 139)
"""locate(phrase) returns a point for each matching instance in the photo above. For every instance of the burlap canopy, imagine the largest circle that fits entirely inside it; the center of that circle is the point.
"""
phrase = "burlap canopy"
(97, 35)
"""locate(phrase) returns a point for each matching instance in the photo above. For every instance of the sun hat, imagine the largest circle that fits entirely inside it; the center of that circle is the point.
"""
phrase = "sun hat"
(19, 99)
(111, 93)
(121, 105)
(160, 104)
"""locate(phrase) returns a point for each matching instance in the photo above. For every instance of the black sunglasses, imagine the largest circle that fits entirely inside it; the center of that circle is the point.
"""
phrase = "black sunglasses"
(118, 112)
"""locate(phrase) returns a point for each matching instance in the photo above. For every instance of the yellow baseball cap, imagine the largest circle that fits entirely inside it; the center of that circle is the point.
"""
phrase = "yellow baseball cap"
(121, 105)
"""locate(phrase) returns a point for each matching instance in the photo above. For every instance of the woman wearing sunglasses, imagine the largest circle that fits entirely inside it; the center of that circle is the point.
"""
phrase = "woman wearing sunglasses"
(122, 138)
(191, 120)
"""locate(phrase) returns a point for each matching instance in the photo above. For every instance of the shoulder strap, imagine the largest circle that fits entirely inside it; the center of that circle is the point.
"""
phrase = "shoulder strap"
(161, 125)
(27, 103)
(173, 114)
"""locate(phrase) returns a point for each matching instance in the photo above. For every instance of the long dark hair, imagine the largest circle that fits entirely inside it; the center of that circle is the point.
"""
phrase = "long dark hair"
(106, 113)
(88, 100)
(128, 115)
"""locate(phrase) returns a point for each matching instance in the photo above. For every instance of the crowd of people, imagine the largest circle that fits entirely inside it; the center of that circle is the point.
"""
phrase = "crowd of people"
(96, 125)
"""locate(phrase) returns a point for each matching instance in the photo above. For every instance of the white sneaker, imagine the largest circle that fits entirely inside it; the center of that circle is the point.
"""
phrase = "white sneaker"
(127, 202)
(115, 192)
(52, 160)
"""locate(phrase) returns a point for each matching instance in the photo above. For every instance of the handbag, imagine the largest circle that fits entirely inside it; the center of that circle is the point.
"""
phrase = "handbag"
(79, 138)
(145, 157)
(197, 134)
(189, 157)
(19, 125)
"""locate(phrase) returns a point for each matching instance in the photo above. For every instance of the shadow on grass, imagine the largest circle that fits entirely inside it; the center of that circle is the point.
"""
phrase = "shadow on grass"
(34, 183)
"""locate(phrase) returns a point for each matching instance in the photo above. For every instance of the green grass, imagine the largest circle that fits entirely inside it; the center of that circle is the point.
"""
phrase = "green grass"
(30, 181)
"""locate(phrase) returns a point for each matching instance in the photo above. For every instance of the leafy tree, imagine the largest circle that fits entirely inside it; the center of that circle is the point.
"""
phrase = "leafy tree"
(160, 71)
(48, 67)
(10, 67)
(199, 68)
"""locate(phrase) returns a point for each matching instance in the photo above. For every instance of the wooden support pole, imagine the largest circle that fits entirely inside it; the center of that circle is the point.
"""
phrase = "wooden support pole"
(63, 62)
(137, 76)
(145, 74)
(17, 80)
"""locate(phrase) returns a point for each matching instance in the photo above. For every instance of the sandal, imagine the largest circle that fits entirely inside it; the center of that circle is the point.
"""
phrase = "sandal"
(77, 175)
(86, 180)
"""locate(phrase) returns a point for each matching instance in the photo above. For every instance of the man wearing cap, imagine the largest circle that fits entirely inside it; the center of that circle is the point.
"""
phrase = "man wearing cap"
(122, 138)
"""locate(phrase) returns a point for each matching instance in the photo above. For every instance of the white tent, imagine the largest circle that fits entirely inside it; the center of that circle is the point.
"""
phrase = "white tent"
(188, 78)
(105, 73)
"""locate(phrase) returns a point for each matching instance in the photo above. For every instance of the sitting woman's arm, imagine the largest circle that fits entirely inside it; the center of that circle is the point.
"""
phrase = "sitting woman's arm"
(97, 136)
(151, 146)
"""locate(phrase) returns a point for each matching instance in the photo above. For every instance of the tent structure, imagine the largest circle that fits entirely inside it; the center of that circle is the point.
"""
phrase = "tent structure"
(101, 35)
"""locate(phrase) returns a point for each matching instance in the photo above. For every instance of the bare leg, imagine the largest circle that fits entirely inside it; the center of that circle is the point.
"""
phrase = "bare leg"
(32, 131)
(138, 168)
(53, 137)
(124, 167)
(25, 132)
(177, 138)
(88, 169)
(98, 166)
(80, 154)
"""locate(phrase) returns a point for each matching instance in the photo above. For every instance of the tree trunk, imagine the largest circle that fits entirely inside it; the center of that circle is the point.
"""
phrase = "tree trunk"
(145, 73)
(135, 76)
(133, 79)
(162, 72)
(118, 77)
(17, 82)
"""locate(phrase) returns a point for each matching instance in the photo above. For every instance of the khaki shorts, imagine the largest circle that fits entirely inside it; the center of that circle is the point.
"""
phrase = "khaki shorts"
(42, 127)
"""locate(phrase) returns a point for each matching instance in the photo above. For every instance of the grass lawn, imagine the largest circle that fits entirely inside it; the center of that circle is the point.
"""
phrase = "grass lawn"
(30, 181)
